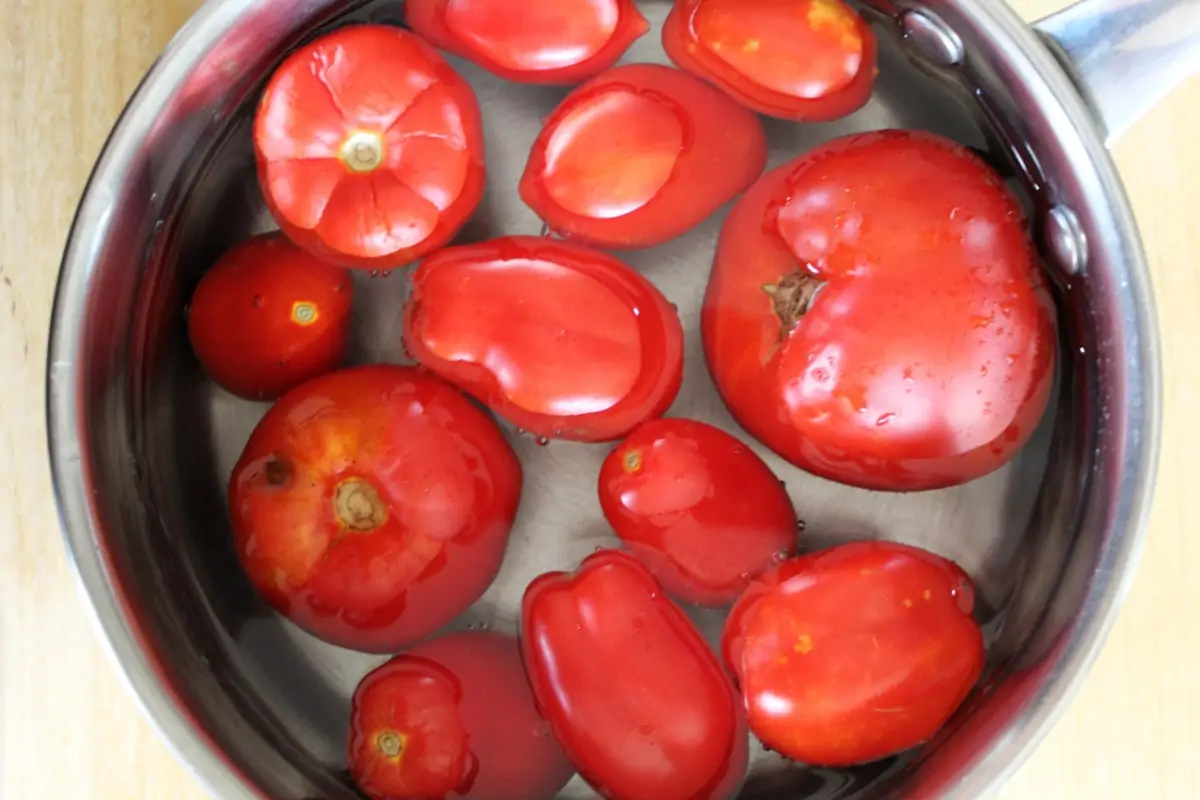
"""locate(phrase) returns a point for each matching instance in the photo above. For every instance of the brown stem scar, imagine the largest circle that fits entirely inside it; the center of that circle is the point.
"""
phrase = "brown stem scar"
(358, 506)
(276, 471)
(390, 744)
(792, 297)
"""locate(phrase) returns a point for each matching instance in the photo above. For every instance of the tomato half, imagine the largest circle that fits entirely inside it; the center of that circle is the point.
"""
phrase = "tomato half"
(808, 60)
(876, 314)
(545, 41)
(563, 341)
(269, 316)
(854, 653)
(372, 505)
(453, 717)
(630, 688)
(640, 155)
(370, 147)
(697, 507)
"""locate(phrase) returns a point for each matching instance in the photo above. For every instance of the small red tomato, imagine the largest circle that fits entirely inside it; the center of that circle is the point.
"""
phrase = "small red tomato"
(808, 60)
(640, 155)
(876, 314)
(631, 690)
(697, 507)
(371, 506)
(533, 41)
(268, 316)
(854, 653)
(563, 341)
(370, 147)
(453, 717)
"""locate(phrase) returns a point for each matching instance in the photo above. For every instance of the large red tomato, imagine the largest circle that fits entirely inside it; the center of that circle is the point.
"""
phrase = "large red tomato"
(796, 59)
(640, 155)
(697, 507)
(453, 717)
(876, 314)
(855, 653)
(373, 505)
(563, 341)
(269, 316)
(632, 691)
(541, 41)
(370, 147)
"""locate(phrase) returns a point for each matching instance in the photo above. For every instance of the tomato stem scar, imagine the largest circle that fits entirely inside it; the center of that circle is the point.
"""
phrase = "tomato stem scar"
(792, 297)
(362, 151)
(357, 506)
(304, 312)
(276, 472)
(632, 461)
(391, 744)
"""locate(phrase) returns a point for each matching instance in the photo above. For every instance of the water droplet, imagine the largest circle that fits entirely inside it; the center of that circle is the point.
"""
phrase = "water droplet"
(340, 287)
(385, 273)
(646, 729)
(283, 362)
(801, 526)
(520, 431)
(542, 441)
(983, 370)
(598, 548)
(258, 301)
(374, 273)
(884, 419)
(1010, 359)
(558, 432)
(483, 626)
(675, 308)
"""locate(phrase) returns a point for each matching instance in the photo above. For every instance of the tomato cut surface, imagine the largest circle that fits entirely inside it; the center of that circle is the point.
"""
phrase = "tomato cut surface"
(876, 314)
(564, 341)
(545, 41)
(632, 691)
(796, 59)
(855, 653)
(372, 505)
(268, 316)
(639, 155)
(369, 147)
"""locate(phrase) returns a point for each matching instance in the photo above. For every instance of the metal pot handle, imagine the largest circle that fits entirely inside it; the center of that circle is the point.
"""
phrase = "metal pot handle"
(1125, 55)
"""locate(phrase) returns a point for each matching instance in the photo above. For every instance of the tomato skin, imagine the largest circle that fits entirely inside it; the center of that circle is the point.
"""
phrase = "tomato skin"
(852, 654)
(927, 356)
(706, 148)
(373, 505)
(697, 507)
(268, 316)
(463, 705)
(846, 78)
(488, 33)
(631, 690)
(369, 147)
(501, 320)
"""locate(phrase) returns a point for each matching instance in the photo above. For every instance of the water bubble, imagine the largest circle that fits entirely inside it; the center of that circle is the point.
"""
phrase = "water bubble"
(542, 441)
(801, 526)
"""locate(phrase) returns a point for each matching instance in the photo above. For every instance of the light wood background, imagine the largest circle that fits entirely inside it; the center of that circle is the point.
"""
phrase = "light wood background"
(71, 730)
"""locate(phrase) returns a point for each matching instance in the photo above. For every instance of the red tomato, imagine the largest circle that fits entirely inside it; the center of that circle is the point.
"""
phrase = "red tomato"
(545, 41)
(373, 505)
(453, 717)
(563, 341)
(855, 653)
(640, 155)
(876, 314)
(796, 59)
(370, 147)
(631, 690)
(697, 507)
(268, 316)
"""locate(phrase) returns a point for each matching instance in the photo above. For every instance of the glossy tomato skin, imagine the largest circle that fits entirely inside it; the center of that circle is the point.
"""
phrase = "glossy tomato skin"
(372, 505)
(856, 653)
(806, 60)
(631, 690)
(639, 155)
(548, 42)
(563, 341)
(454, 717)
(876, 314)
(370, 147)
(697, 507)
(268, 316)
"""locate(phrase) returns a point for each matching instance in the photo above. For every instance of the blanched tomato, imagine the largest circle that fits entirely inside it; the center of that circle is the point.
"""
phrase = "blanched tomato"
(877, 316)
(453, 717)
(269, 316)
(534, 41)
(855, 653)
(697, 507)
(563, 341)
(372, 505)
(370, 147)
(796, 59)
(632, 691)
(640, 155)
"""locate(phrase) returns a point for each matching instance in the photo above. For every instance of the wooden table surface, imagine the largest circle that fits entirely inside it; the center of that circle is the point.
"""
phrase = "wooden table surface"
(70, 728)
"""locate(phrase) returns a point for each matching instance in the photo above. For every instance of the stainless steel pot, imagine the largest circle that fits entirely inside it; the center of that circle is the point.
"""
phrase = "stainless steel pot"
(141, 444)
